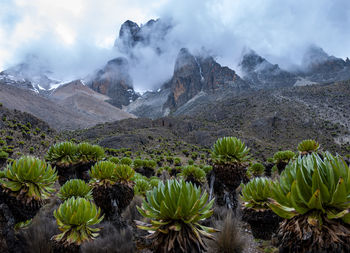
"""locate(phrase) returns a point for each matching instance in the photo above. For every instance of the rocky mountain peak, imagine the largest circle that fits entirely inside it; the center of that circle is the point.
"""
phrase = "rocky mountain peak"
(30, 74)
(260, 73)
(115, 81)
(193, 74)
(149, 34)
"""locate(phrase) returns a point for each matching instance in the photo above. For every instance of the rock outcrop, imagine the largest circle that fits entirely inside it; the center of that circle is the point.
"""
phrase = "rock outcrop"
(115, 82)
(195, 74)
(261, 74)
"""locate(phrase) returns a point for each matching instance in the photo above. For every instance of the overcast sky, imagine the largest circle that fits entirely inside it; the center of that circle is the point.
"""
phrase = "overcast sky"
(77, 36)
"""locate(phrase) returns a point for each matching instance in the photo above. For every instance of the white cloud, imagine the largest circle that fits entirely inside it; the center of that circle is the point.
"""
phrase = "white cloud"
(76, 36)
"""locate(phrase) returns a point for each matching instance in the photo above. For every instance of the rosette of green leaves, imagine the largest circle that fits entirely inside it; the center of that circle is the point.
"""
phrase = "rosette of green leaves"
(229, 150)
(141, 186)
(124, 173)
(308, 146)
(192, 171)
(256, 193)
(314, 186)
(257, 169)
(176, 209)
(103, 173)
(89, 153)
(76, 218)
(62, 154)
(29, 177)
(283, 156)
(75, 188)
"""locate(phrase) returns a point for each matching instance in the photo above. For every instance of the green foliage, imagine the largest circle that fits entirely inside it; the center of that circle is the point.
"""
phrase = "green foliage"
(175, 209)
(229, 150)
(177, 161)
(192, 171)
(62, 154)
(3, 155)
(314, 187)
(29, 178)
(154, 181)
(283, 156)
(126, 161)
(114, 159)
(138, 164)
(124, 173)
(89, 153)
(141, 186)
(256, 193)
(103, 173)
(76, 218)
(256, 170)
(207, 168)
(190, 162)
(308, 146)
(75, 188)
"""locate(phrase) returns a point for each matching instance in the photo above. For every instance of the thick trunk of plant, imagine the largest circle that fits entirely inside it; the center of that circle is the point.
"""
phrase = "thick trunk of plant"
(148, 172)
(82, 171)
(65, 173)
(20, 210)
(231, 175)
(281, 166)
(58, 247)
(113, 199)
(176, 242)
(8, 241)
(262, 223)
(297, 235)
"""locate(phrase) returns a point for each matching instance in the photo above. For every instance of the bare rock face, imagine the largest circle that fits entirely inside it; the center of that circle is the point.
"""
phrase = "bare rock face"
(261, 74)
(114, 81)
(323, 68)
(195, 74)
(150, 34)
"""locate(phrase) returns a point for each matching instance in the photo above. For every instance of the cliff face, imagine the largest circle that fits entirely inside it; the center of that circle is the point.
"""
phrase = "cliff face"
(261, 74)
(114, 81)
(195, 74)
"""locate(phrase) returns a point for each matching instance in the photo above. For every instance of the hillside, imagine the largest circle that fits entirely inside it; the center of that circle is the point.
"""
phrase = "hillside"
(267, 120)
(67, 109)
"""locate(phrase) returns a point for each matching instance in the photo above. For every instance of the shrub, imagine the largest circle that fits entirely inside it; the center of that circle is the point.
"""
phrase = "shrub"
(175, 209)
(256, 193)
(103, 173)
(229, 150)
(76, 218)
(62, 154)
(3, 155)
(194, 174)
(126, 161)
(256, 170)
(75, 188)
(308, 146)
(89, 153)
(313, 194)
(283, 156)
(141, 186)
(124, 174)
(114, 159)
(29, 178)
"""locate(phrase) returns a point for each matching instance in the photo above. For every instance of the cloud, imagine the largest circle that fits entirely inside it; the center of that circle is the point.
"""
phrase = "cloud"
(75, 37)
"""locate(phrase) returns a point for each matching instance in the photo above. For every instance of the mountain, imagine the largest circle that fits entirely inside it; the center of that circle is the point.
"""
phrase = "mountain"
(322, 68)
(193, 76)
(71, 106)
(267, 120)
(31, 74)
(261, 74)
(151, 34)
(115, 82)
(77, 96)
